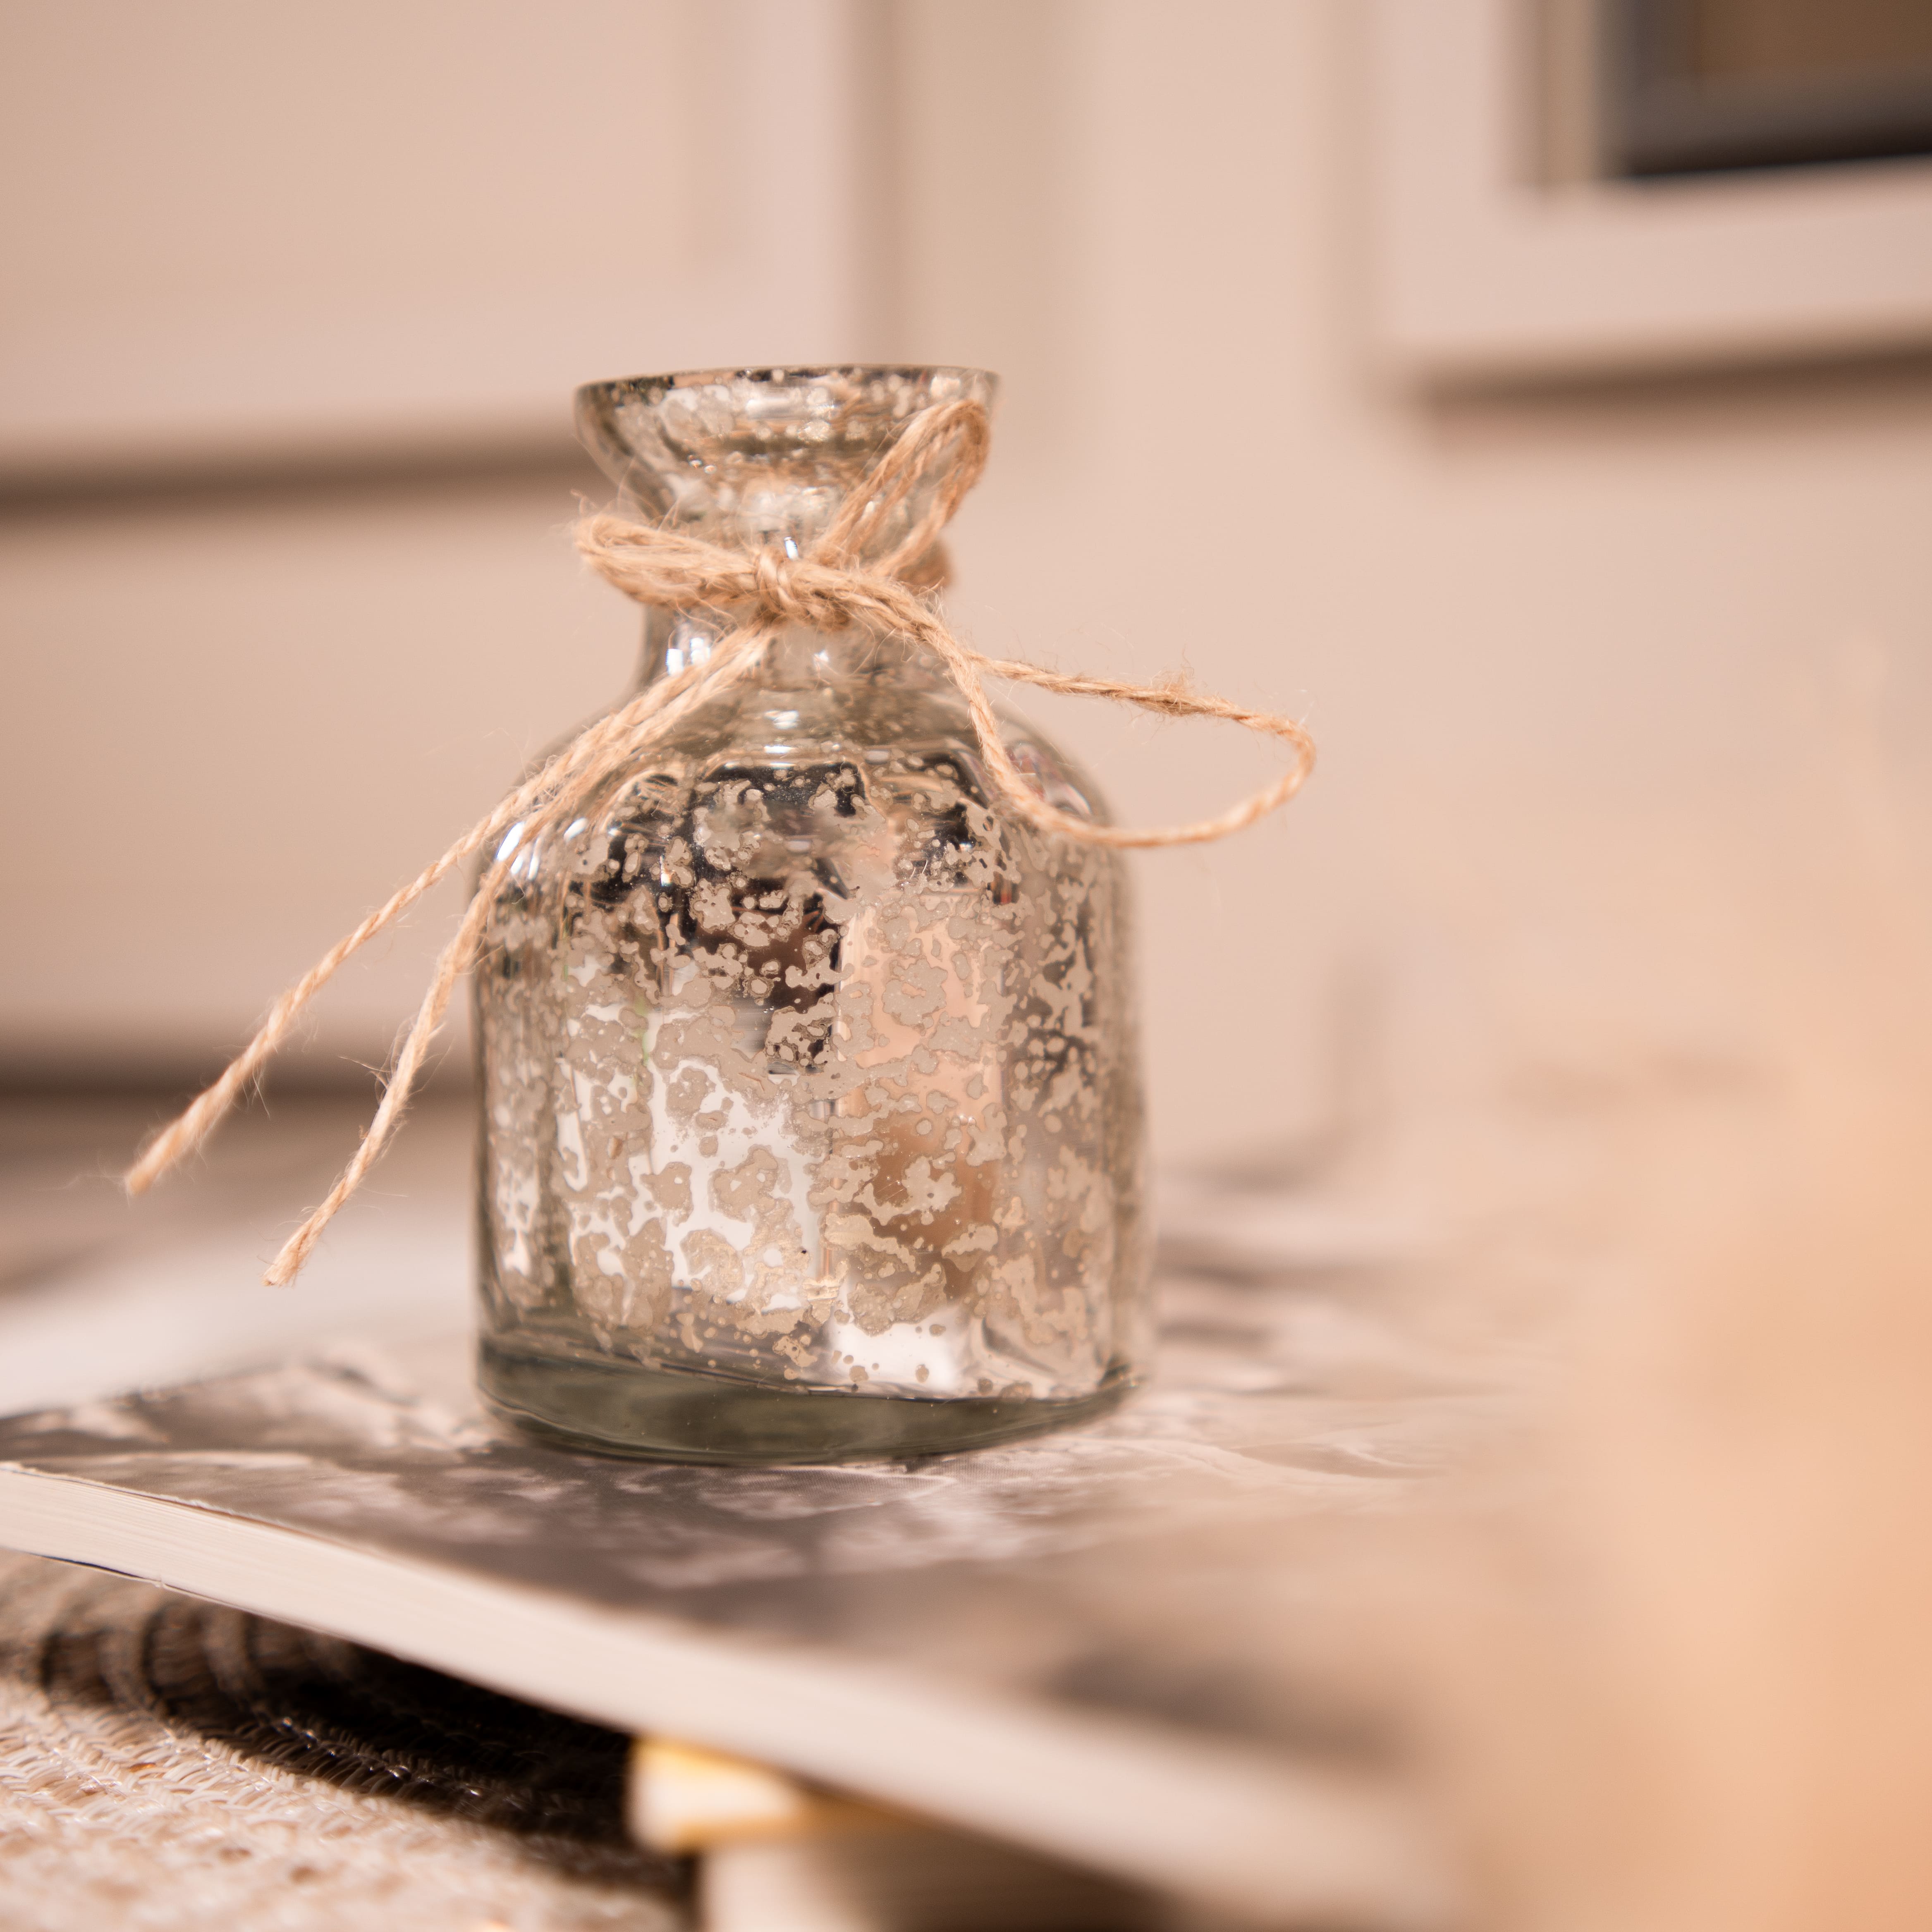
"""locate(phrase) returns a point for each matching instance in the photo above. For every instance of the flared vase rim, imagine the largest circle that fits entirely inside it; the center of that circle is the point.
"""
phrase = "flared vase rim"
(787, 373)
(655, 435)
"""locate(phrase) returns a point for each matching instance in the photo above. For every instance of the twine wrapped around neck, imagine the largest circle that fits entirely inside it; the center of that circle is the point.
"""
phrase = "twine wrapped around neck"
(828, 590)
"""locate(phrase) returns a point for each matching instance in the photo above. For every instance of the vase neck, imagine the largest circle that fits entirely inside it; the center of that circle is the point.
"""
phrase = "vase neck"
(765, 459)
(799, 659)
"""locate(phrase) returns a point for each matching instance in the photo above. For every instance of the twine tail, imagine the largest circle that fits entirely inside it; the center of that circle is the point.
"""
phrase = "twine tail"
(893, 606)
(450, 967)
(565, 778)
(1170, 700)
(621, 737)
(208, 1109)
(184, 1134)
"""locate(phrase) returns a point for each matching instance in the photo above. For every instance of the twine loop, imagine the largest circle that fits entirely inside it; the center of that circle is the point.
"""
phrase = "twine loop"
(837, 582)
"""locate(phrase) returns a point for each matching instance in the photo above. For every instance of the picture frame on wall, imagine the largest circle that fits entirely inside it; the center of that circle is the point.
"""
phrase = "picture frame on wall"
(1558, 187)
(1691, 87)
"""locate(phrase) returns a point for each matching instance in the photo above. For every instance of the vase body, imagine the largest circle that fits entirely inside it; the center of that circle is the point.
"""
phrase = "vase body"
(811, 1121)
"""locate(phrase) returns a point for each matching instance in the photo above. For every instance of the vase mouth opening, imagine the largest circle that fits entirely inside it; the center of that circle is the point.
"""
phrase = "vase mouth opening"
(759, 456)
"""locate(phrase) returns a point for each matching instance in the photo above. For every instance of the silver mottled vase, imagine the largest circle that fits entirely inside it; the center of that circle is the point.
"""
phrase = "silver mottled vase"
(812, 1116)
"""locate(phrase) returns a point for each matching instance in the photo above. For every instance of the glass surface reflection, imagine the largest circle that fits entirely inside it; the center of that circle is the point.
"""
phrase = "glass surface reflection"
(811, 1113)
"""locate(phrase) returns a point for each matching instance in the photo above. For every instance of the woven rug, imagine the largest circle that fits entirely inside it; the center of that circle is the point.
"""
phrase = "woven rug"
(165, 1763)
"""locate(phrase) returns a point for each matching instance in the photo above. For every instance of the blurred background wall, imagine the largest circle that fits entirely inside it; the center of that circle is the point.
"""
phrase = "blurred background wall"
(287, 597)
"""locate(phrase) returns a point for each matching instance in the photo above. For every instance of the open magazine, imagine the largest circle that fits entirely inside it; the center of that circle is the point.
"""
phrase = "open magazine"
(1061, 1643)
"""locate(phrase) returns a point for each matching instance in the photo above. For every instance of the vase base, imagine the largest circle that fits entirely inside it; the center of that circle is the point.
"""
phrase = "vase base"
(674, 1416)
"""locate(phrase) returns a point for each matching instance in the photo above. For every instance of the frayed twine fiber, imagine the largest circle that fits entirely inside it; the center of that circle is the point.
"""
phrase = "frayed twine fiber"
(825, 589)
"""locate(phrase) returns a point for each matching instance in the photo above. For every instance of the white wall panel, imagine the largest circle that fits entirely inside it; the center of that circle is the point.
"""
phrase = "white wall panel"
(234, 228)
(233, 727)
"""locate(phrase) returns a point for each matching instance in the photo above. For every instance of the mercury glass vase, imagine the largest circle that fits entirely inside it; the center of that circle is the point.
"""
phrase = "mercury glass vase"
(811, 1118)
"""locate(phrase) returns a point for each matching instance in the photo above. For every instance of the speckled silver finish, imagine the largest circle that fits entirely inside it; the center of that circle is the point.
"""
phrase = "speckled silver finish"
(812, 1125)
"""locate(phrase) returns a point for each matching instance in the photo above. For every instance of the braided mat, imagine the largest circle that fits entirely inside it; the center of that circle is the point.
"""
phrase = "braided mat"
(166, 1763)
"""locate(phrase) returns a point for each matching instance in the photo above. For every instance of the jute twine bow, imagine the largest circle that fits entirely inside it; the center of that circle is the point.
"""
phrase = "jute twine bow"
(826, 588)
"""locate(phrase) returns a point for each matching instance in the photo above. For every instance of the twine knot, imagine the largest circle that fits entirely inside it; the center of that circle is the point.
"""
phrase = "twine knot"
(790, 590)
(872, 566)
